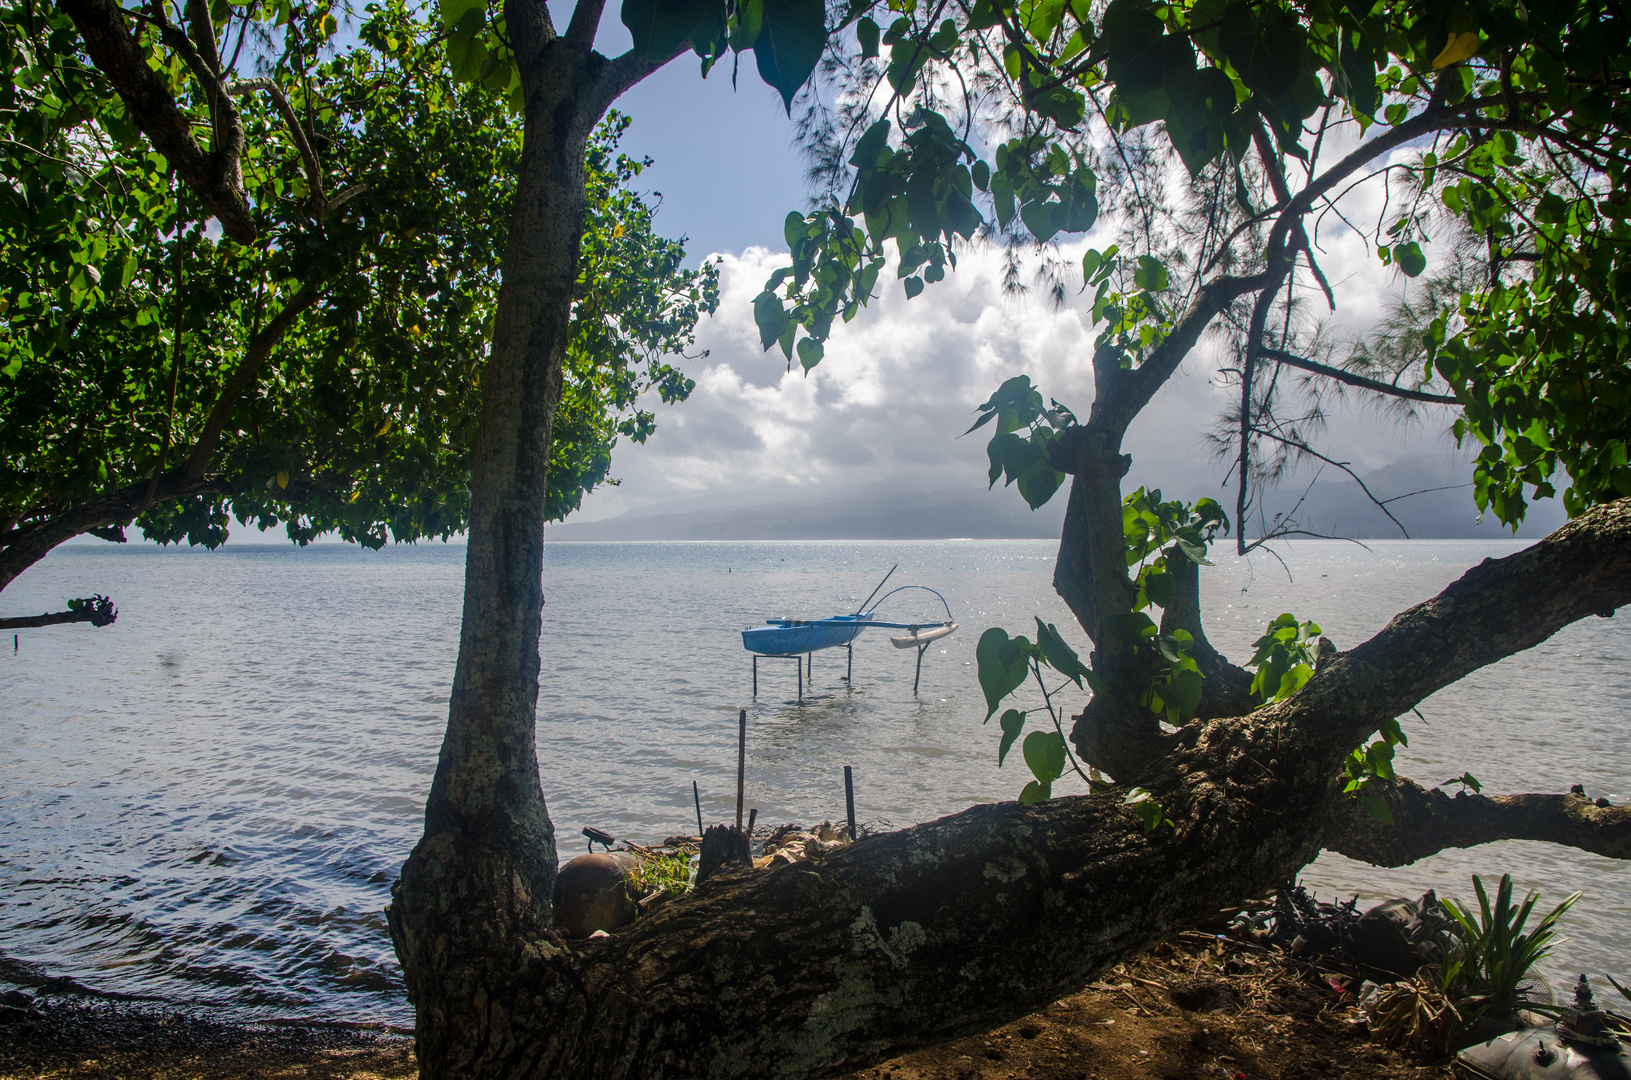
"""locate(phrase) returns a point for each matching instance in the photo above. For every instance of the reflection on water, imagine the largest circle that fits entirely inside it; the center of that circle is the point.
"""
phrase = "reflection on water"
(207, 801)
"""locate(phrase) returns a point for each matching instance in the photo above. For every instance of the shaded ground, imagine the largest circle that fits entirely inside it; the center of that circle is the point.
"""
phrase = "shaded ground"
(1193, 1009)
(58, 1038)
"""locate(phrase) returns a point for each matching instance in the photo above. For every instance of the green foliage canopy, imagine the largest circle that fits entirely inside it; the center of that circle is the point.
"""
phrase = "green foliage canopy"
(125, 317)
(1506, 122)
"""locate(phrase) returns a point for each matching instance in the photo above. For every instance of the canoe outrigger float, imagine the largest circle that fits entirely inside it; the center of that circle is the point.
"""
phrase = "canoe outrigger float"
(799, 638)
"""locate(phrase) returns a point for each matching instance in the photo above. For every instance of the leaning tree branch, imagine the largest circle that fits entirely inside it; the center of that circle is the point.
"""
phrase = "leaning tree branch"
(96, 610)
(213, 175)
(260, 347)
(1435, 117)
(177, 39)
(55, 618)
(616, 77)
(1121, 397)
(1427, 822)
(314, 171)
(954, 926)
(1360, 381)
(1498, 608)
(900, 941)
(29, 544)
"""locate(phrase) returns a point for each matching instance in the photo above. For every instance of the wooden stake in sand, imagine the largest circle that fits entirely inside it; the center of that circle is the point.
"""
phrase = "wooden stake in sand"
(849, 798)
(741, 763)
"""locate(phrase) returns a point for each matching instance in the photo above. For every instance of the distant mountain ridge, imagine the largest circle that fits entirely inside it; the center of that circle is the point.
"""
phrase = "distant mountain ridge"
(1330, 507)
(919, 515)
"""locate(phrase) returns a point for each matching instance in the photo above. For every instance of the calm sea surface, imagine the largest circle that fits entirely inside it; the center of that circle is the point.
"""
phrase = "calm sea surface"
(206, 802)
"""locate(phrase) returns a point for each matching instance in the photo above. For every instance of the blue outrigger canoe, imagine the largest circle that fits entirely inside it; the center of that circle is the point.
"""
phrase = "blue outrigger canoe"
(795, 637)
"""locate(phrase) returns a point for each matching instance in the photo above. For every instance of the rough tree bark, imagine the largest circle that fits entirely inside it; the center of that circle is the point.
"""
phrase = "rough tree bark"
(1429, 821)
(213, 174)
(476, 888)
(914, 937)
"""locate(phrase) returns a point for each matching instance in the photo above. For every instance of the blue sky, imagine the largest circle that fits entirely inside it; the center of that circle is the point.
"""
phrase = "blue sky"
(724, 159)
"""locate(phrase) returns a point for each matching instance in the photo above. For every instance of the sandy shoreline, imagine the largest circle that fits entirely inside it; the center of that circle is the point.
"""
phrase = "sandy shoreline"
(64, 1037)
(1191, 1008)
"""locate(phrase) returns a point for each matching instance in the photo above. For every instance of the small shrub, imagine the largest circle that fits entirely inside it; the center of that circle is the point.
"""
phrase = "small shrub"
(1495, 952)
(662, 871)
(1484, 958)
(1419, 1013)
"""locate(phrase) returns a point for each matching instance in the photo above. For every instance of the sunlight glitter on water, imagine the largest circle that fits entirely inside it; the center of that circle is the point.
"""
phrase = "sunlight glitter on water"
(207, 802)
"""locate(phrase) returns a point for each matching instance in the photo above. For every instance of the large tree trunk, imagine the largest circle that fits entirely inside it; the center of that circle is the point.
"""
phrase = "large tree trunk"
(475, 892)
(911, 938)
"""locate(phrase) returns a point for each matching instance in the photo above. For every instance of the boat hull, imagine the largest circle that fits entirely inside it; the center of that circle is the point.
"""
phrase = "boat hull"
(788, 637)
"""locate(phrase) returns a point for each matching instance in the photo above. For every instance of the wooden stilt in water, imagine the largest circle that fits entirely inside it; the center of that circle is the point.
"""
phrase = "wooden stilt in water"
(697, 797)
(741, 763)
(919, 673)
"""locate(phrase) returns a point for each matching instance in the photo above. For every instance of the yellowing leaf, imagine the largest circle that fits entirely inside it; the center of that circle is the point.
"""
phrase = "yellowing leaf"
(415, 331)
(383, 428)
(355, 495)
(617, 230)
(283, 478)
(1458, 48)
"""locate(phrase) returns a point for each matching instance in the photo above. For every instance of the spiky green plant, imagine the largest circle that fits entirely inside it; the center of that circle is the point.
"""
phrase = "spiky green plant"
(1494, 951)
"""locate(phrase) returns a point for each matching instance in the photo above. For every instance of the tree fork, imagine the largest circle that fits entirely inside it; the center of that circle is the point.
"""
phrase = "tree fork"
(214, 174)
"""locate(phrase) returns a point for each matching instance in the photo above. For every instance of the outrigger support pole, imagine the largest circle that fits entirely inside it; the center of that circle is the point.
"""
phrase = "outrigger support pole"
(798, 661)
